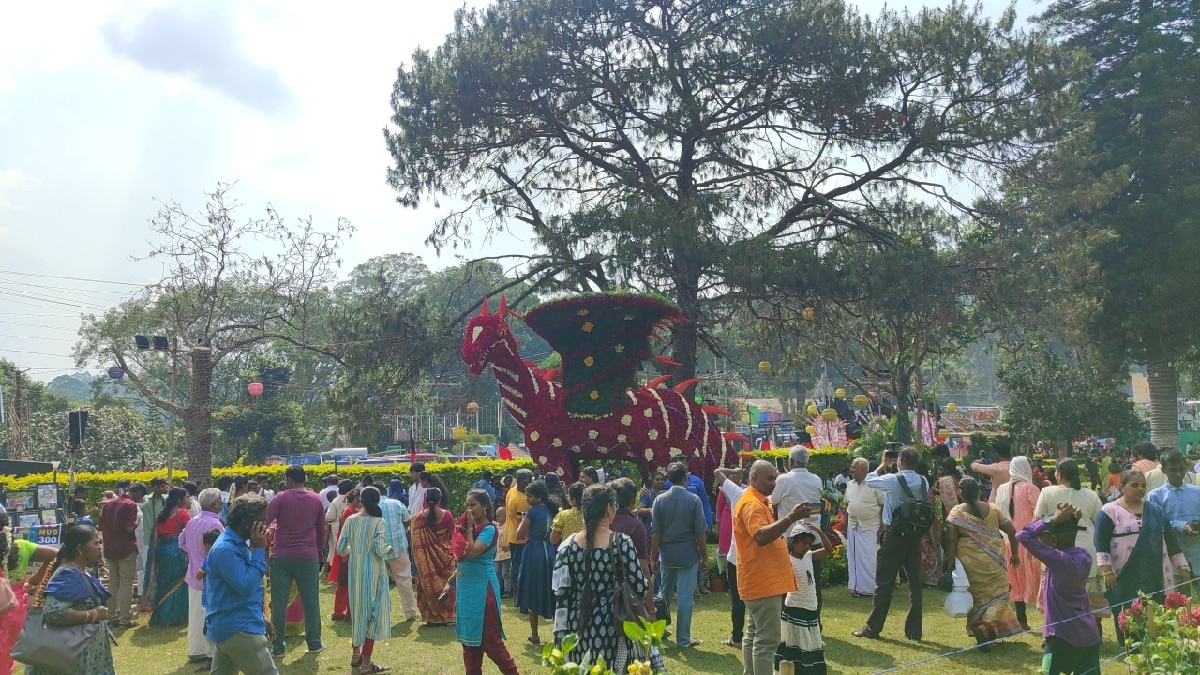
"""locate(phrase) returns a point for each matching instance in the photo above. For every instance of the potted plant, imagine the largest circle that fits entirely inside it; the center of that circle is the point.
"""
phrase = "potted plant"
(716, 580)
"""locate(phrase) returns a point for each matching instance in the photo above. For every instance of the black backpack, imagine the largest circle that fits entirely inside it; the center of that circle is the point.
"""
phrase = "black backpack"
(913, 516)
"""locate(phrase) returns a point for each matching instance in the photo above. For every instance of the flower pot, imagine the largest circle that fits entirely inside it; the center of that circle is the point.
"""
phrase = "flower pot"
(717, 584)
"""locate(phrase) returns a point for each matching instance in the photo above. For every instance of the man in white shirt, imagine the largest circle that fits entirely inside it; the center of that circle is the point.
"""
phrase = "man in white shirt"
(416, 493)
(864, 513)
(800, 486)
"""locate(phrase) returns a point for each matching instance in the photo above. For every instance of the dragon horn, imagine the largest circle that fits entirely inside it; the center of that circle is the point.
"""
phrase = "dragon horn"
(503, 311)
(484, 310)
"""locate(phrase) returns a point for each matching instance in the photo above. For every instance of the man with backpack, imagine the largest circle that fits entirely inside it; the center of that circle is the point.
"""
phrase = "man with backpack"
(907, 516)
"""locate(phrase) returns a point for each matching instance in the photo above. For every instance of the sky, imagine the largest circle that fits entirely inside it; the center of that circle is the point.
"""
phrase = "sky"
(111, 105)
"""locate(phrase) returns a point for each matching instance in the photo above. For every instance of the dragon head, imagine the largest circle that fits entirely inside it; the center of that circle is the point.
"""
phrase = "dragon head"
(483, 332)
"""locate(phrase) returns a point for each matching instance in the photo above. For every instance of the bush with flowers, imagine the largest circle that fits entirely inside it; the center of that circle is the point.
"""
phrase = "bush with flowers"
(1162, 638)
(648, 636)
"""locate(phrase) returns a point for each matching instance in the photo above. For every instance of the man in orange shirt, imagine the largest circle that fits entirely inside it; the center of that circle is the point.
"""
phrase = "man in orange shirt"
(764, 570)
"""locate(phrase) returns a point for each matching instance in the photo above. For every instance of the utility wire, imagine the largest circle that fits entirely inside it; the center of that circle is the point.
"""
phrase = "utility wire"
(53, 276)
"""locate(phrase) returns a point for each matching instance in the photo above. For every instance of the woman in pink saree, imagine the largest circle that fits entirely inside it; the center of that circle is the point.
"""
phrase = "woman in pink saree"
(1017, 499)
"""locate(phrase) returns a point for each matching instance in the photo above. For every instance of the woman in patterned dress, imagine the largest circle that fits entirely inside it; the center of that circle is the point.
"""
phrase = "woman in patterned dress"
(363, 541)
(74, 597)
(341, 568)
(585, 576)
(432, 534)
(1017, 499)
(1137, 550)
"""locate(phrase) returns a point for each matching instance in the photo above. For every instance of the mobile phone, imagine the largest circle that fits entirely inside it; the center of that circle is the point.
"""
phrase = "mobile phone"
(814, 505)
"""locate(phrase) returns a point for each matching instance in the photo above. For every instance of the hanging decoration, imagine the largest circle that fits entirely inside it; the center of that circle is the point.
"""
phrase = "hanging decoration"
(255, 389)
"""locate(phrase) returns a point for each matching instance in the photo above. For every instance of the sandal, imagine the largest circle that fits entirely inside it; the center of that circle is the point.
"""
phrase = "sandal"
(534, 641)
(128, 624)
(730, 643)
(356, 661)
(372, 668)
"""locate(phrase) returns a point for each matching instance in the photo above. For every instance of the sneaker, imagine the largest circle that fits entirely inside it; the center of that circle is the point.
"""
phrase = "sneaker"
(277, 652)
(316, 647)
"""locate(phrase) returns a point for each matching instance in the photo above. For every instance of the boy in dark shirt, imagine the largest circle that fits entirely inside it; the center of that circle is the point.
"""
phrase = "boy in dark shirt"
(1071, 634)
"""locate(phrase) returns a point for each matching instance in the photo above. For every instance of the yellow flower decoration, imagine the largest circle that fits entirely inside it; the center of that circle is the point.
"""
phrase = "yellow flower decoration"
(593, 434)
(627, 420)
(621, 437)
(619, 348)
(582, 312)
(589, 361)
(594, 395)
(648, 412)
(533, 435)
(649, 455)
(587, 326)
(676, 452)
(603, 450)
(629, 317)
(556, 442)
(652, 434)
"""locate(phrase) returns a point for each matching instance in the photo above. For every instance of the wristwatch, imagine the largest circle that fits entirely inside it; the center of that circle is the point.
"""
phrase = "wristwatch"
(1046, 520)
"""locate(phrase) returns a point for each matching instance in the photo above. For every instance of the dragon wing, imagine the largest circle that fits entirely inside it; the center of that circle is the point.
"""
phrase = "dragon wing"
(602, 338)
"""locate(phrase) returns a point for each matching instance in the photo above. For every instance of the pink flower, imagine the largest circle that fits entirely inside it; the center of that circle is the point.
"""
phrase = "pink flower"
(1175, 600)
(1196, 616)
(1136, 608)
(1123, 621)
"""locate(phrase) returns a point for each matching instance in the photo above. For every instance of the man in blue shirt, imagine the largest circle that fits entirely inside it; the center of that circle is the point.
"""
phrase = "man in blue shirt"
(901, 547)
(679, 535)
(233, 592)
(1180, 503)
(395, 519)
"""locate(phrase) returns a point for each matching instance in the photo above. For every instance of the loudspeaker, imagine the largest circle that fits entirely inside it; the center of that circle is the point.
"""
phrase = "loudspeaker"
(77, 421)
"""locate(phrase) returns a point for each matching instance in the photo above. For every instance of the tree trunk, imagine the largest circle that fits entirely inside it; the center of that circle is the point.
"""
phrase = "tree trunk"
(686, 335)
(197, 418)
(900, 385)
(1164, 404)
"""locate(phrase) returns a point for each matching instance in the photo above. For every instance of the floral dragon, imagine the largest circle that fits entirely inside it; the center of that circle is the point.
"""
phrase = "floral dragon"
(592, 408)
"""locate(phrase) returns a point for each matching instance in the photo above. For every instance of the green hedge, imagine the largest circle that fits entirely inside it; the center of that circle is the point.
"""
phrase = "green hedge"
(458, 477)
(820, 462)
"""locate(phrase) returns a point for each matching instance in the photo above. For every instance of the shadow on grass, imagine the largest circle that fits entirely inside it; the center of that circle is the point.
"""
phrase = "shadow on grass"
(857, 653)
(152, 636)
(436, 635)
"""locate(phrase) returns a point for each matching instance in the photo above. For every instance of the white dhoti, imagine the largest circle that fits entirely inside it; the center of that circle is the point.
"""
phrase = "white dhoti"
(862, 546)
(198, 644)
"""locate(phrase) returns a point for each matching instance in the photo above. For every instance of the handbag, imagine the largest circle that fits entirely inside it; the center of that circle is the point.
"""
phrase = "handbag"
(56, 649)
(626, 602)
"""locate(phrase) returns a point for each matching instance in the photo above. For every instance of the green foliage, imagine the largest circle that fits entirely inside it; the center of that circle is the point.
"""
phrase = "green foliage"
(684, 149)
(1164, 638)
(1052, 400)
(458, 477)
(820, 462)
(648, 635)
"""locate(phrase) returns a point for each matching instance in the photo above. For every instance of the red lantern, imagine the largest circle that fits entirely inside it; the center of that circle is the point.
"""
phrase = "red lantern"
(255, 389)
(472, 407)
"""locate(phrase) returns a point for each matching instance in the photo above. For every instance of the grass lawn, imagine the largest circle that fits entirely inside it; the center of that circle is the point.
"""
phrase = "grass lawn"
(415, 648)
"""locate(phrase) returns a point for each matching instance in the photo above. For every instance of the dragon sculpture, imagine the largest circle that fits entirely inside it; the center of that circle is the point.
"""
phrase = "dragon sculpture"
(593, 409)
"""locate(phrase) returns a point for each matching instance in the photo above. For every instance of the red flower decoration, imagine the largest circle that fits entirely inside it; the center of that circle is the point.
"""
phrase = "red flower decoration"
(1136, 608)
(1196, 616)
(1175, 600)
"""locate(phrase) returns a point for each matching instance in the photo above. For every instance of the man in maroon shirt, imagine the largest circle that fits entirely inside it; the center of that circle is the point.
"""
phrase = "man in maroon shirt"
(118, 523)
(299, 517)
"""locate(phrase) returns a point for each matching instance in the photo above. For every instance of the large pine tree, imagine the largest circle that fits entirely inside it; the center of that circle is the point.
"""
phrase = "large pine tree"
(1140, 105)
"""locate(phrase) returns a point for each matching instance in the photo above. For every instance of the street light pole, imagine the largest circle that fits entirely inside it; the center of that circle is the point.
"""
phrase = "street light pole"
(171, 419)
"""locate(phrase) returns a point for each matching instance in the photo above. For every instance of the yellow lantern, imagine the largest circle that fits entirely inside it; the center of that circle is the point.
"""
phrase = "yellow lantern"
(951, 407)
(829, 414)
(812, 409)
(472, 407)
(808, 313)
(943, 434)
(458, 433)
(840, 393)
(810, 429)
(764, 366)
(861, 400)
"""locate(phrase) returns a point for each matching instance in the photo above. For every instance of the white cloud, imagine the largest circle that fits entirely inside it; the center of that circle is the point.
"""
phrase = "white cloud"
(12, 182)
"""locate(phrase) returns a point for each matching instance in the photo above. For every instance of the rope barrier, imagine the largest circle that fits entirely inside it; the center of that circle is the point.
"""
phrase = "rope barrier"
(1116, 610)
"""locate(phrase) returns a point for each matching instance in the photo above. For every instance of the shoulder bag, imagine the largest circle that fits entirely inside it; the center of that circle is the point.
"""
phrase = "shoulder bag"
(56, 649)
(626, 602)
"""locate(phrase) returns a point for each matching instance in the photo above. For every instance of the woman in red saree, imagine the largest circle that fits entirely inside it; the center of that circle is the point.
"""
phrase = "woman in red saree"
(432, 536)
(340, 570)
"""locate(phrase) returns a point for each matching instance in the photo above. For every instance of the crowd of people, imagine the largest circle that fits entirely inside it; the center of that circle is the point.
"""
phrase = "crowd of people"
(1028, 538)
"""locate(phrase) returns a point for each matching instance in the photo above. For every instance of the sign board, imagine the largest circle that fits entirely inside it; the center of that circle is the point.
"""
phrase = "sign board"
(782, 428)
(46, 535)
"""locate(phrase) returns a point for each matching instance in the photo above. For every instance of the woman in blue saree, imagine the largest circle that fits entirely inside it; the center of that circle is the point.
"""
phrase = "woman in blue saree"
(478, 589)
(169, 598)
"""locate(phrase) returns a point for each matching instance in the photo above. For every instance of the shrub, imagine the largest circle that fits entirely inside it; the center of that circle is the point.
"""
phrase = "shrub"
(820, 462)
(1163, 638)
(458, 477)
